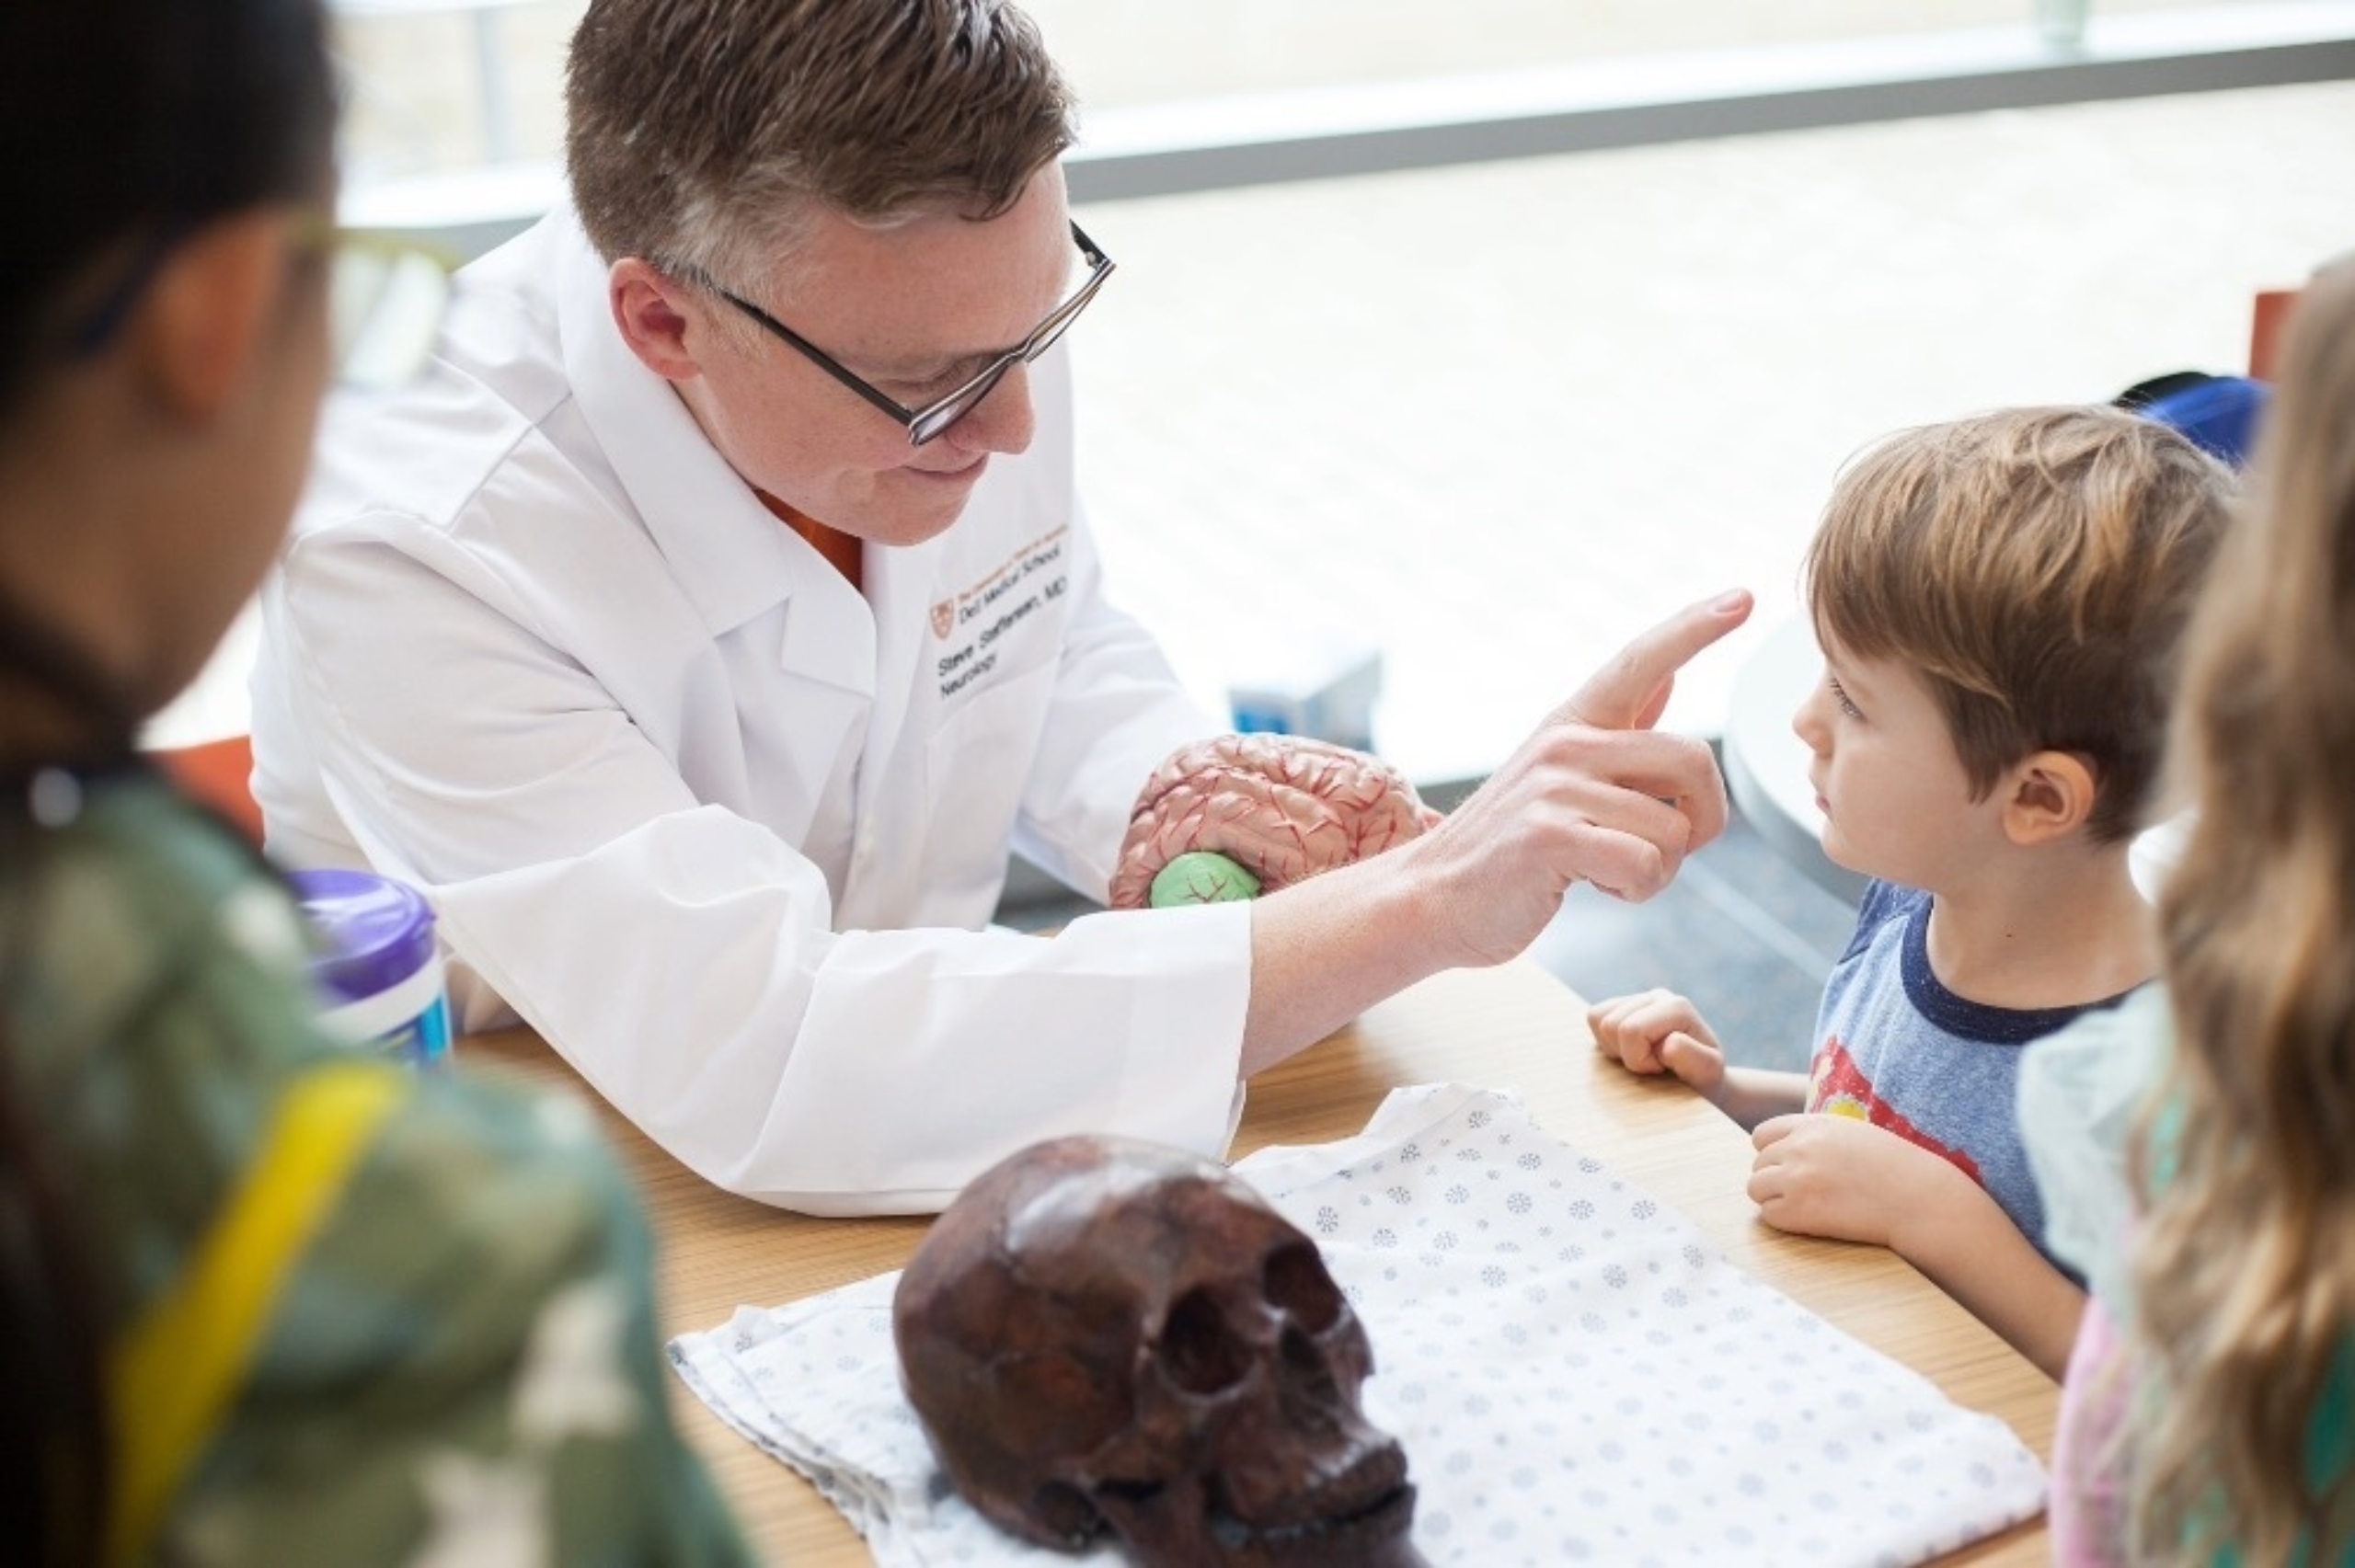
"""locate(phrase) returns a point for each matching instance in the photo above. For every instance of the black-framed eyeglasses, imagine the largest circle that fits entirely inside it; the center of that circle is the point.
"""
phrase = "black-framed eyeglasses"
(922, 424)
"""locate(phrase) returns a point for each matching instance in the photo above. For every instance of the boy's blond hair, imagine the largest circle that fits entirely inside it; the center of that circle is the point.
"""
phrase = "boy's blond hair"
(2034, 567)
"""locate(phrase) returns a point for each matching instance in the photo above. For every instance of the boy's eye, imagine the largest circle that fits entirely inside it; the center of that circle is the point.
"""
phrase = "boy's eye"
(1840, 695)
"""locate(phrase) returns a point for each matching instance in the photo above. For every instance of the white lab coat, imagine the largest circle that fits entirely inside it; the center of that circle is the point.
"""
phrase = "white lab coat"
(724, 831)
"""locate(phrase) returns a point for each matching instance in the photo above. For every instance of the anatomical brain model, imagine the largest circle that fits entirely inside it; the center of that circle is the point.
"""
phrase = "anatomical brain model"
(1107, 1336)
(1282, 808)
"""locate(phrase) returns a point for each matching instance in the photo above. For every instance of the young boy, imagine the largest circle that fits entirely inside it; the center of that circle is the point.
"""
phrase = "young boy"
(1998, 601)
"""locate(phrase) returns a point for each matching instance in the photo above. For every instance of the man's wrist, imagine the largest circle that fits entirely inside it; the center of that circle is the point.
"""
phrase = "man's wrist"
(1381, 916)
(1325, 949)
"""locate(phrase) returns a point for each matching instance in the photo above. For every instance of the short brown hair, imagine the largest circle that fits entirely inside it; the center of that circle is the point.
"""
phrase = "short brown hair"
(2034, 567)
(701, 134)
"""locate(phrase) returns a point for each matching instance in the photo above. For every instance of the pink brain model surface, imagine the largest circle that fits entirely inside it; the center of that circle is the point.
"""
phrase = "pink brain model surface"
(1282, 807)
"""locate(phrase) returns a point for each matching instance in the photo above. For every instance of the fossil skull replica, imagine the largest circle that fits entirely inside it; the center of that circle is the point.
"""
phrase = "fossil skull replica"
(1103, 1335)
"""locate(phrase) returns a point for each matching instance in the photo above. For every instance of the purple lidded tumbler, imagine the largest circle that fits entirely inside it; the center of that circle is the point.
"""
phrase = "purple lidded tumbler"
(379, 968)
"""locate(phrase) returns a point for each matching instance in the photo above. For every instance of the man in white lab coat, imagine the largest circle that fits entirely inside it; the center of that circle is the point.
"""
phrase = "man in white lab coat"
(706, 627)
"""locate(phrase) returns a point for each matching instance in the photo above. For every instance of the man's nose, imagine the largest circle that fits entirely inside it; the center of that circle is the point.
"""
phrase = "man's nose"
(1003, 421)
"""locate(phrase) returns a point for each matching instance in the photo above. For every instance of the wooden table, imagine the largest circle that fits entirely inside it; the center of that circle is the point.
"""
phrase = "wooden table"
(1514, 1027)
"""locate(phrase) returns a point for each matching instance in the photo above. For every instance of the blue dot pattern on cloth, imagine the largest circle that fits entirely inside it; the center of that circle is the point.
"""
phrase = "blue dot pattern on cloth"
(1577, 1376)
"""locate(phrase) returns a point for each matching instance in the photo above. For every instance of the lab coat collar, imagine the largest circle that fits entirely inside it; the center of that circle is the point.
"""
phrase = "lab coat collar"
(731, 558)
(898, 585)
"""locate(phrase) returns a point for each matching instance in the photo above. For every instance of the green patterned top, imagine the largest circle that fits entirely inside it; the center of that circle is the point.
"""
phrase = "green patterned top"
(459, 1362)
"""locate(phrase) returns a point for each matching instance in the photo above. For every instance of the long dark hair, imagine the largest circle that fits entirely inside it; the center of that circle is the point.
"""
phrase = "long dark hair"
(125, 125)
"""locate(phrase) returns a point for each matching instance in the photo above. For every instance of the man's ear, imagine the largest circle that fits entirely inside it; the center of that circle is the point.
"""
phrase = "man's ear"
(2046, 796)
(201, 318)
(648, 313)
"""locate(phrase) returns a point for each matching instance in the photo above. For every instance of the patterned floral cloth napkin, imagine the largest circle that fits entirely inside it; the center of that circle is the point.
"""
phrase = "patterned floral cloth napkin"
(1576, 1374)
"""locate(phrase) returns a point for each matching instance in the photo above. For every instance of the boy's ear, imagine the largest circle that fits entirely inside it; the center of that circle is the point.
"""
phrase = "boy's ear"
(201, 320)
(2046, 796)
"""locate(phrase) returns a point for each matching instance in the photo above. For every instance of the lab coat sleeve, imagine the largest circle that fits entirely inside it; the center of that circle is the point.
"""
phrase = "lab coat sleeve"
(1118, 712)
(681, 956)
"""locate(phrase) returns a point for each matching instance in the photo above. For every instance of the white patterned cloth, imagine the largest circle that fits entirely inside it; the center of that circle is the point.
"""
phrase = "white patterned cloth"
(1577, 1375)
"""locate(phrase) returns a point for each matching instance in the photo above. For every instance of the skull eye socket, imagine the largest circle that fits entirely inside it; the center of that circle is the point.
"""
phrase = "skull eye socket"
(1199, 1352)
(1296, 1281)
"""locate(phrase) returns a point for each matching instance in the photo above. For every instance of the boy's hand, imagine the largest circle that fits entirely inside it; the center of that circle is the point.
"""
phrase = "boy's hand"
(1832, 1175)
(1659, 1031)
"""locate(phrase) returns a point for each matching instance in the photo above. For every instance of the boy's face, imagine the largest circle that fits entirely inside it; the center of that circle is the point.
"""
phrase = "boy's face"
(1896, 801)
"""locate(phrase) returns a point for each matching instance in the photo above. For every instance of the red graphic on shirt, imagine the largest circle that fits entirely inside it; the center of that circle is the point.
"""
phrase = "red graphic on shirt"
(1838, 1087)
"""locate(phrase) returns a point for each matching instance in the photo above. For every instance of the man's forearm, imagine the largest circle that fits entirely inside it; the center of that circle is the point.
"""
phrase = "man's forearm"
(1324, 950)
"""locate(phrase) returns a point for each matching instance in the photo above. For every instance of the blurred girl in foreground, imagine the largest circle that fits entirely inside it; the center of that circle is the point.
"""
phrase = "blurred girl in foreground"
(2205, 1418)
(262, 1298)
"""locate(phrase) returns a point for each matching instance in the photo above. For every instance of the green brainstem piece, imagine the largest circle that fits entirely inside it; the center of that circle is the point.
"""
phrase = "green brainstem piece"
(1201, 877)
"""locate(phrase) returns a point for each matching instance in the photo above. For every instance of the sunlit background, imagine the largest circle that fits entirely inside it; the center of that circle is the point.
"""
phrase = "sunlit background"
(1488, 419)
(447, 84)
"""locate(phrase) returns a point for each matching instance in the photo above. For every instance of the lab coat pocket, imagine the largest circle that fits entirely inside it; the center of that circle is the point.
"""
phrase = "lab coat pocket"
(976, 765)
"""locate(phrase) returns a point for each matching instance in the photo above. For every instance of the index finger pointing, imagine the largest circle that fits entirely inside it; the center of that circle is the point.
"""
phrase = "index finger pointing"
(1625, 693)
